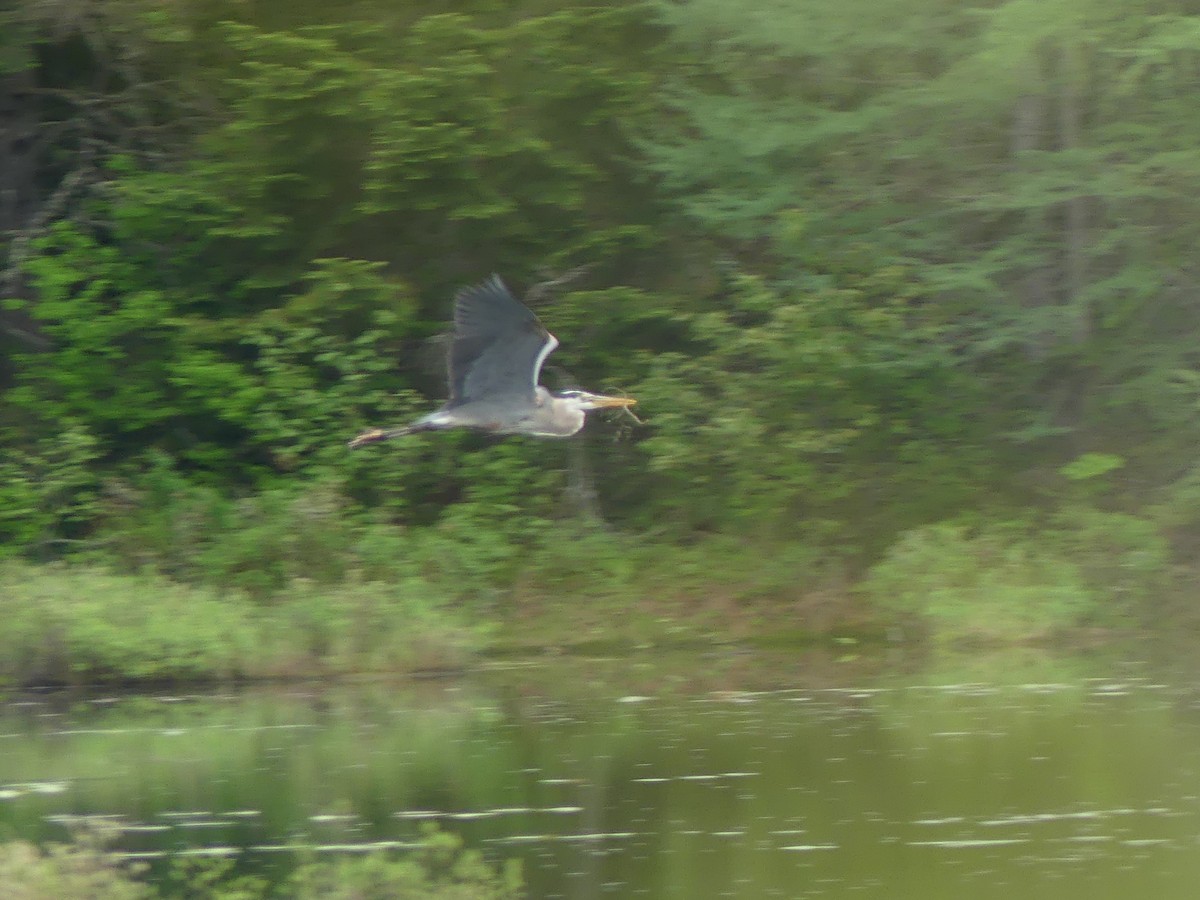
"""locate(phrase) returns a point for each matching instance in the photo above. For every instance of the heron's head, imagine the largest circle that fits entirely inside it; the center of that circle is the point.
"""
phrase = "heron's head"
(584, 400)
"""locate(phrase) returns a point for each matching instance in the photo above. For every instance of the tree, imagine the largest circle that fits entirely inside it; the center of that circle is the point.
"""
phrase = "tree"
(1029, 161)
(235, 282)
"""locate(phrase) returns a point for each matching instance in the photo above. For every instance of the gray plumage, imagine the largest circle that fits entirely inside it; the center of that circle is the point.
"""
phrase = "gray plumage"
(496, 356)
(499, 345)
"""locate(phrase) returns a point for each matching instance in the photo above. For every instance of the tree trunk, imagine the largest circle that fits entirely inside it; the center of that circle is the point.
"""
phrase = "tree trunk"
(1075, 214)
(18, 197)
(1034, 286)
(17, 131)
(581, 485)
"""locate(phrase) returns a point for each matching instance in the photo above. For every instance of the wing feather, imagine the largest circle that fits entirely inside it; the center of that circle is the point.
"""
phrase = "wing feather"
(498, 345)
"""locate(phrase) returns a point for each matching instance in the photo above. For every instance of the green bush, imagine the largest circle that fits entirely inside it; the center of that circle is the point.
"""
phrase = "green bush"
(256, 544)
(993, 584)
(364, 626)
(48, 491)
(78, 871)
(437, 869)
(261, 543)
(83, 624)
(1122, 557)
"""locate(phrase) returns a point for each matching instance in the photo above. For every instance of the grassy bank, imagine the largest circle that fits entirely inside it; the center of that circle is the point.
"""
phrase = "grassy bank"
(84, 624)
(379, 600)
(189, 584)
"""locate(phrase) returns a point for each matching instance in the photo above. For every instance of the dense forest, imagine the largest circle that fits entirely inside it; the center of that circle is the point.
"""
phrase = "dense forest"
(905, 291)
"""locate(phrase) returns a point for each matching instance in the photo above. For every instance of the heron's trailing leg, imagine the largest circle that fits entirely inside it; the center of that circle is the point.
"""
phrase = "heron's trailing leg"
(374, 435)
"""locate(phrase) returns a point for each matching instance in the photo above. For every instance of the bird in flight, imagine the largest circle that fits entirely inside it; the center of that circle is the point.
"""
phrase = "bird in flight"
(496, 355)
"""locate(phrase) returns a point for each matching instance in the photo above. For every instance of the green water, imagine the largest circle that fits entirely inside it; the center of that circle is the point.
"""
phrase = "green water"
(732, 775)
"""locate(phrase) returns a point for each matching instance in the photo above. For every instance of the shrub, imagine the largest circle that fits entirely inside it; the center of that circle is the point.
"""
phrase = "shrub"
(264, 543)
(256, 544)
(78, 871)
(994, 584)
(1122, 557)
(83, 624)
(362, 626)
(437, 869)
(47, 491)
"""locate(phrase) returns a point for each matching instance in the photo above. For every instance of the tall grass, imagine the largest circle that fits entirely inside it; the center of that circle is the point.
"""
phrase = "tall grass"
(986, 586)
(186, 583)
(67, 624)
(1008, 582)
(289, 583)
(85, 624)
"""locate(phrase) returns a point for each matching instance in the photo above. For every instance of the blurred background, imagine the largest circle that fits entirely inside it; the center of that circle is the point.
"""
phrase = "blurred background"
(905, 291)
(907, 294)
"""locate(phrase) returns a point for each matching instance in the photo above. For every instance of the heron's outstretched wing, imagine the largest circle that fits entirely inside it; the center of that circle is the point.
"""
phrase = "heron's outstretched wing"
(498, 346)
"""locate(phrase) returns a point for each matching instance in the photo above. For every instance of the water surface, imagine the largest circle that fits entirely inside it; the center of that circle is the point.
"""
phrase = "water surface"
(727, 775)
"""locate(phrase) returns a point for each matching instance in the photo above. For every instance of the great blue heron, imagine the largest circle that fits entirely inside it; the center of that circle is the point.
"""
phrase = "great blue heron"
(496, 355)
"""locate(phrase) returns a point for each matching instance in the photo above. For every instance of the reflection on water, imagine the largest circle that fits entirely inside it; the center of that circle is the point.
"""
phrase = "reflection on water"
(739, 776)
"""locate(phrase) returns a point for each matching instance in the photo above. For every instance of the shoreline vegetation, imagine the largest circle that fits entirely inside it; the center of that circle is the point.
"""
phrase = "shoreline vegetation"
(302, 598)
(434, 867)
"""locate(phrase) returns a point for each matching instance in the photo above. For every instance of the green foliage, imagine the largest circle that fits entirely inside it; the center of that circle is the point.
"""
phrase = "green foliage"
(83, 625)
(213, 878)
(405, 626)
(49, 491)
(231, 304)
(1032, 159)
(1178, 504)
(1091, 465)
(80, 625)
(262, 543)
(993, 584)
(864, 270)
(1011, 583)
(1123, 558)
(78, 871)
(255, 545)
(229, 400)
(440, 869)
(786, 385)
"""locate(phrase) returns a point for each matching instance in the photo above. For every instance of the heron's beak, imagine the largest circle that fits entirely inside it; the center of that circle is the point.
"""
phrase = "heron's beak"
(599, 401)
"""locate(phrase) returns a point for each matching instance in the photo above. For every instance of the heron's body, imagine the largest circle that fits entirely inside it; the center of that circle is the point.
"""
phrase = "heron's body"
(496, 356)
(549, 416)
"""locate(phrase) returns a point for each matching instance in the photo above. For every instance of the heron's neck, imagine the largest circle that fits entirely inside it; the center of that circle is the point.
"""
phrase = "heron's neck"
(567, 416)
